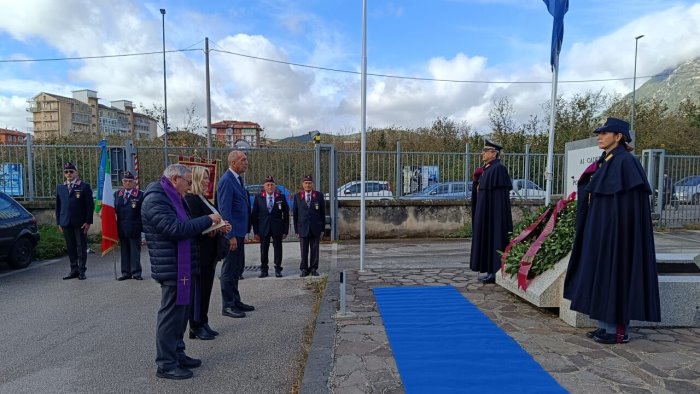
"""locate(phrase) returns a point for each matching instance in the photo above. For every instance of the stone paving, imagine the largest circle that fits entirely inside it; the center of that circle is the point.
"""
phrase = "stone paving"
(656, 360)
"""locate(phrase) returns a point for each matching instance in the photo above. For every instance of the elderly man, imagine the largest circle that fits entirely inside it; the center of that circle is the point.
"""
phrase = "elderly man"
(270, 221)
(172, 247)
(74, 207)
(309, 214)
(127, 205)
(234, 206)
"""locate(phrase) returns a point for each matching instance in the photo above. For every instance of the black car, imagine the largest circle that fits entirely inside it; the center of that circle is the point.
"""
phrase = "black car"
(19, 233)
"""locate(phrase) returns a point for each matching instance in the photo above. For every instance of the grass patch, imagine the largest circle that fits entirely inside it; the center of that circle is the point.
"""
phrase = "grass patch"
(317, 288)
(52, 244)
(692, 226)
(464, 232)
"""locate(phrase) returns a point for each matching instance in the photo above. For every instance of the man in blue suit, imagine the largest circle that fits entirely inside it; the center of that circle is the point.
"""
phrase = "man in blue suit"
(234, 206)
(270, 221)
(74, 207)
(127, 205)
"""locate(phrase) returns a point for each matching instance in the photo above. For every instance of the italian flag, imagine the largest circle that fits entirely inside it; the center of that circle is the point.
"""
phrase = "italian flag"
(110, 239)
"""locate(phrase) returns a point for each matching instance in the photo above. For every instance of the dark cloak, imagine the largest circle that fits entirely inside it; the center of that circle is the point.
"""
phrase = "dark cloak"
(612, 273)
(492, 219)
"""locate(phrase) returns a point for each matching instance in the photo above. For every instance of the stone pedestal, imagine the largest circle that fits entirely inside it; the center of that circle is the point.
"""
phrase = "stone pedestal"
(543, 291)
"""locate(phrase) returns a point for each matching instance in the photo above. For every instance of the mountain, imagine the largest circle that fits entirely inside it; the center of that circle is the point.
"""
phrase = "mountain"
(672, 85)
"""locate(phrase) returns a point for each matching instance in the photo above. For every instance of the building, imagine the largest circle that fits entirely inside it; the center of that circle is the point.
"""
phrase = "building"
(230, 131)
(55, 116)
(11, 137)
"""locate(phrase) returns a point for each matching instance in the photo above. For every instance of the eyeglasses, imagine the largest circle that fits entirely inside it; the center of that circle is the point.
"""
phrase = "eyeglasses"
(189, 183)
(68, 171)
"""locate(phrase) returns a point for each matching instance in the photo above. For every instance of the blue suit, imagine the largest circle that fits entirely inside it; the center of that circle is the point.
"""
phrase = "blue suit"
(73, 209)
(234, 206)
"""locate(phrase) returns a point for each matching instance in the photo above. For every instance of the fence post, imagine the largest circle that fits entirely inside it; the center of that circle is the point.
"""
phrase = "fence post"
(527, 167)
(467, 173)
(398, 184)
(129, 156)
(30, 168)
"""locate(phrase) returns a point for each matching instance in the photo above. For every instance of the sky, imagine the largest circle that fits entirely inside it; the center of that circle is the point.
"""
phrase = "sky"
(252, 44)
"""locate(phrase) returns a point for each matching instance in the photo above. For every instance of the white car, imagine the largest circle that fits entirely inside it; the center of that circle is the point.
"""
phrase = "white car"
(527, 190)
(374, 190)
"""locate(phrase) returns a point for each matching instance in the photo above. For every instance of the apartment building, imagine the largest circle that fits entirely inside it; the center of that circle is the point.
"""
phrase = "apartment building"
(230, 131)
(55, 116)
(11, 137)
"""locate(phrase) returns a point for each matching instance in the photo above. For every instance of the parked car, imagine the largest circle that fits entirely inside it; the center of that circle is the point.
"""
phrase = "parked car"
(374, 190)
(257, 189)
(19, 233)
(687, 190)
(443, 191)
(527, 190)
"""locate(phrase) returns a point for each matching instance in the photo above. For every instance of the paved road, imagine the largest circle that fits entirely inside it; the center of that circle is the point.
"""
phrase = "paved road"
(98, 335)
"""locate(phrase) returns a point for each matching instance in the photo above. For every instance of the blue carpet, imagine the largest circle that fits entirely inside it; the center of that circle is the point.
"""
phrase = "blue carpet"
(444, 344)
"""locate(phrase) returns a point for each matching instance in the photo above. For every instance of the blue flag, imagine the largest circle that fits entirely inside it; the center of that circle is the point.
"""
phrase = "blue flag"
(557, 8)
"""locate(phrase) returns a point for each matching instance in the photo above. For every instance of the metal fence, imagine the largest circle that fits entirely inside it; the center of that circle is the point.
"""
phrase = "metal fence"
(31, 172)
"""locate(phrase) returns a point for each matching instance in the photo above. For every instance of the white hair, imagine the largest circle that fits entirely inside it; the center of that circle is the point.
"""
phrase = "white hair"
(176, 170)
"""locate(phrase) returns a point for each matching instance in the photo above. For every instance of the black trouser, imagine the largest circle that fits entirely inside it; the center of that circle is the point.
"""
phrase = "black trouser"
(207, 272)
(170, 327)
(310, 242)
(230, 272)
(131, 256)
(265, 248)
(76, 243)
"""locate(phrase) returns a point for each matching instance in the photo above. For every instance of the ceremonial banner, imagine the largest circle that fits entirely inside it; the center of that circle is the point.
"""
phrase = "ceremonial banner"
(110, 238)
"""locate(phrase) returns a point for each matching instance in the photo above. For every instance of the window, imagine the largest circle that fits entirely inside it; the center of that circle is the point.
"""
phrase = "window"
(8, 210)
(442, 189)
(458, 188)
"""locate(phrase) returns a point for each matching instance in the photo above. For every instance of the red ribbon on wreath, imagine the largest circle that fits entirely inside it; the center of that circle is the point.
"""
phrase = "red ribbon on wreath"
(525, 234)
(529, 257)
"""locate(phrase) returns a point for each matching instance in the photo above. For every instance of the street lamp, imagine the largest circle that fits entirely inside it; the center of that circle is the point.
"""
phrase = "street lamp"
(165, 95)
(634, 85)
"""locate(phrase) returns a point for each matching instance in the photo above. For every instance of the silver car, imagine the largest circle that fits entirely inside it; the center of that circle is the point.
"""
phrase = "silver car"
(443, 191)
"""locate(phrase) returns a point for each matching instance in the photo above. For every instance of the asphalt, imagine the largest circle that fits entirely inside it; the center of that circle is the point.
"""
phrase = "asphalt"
(98, 335)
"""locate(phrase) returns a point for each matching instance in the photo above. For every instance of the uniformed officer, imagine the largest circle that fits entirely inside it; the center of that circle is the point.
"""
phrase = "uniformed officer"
(127, 205)
(270, 220)
(309, 213)
(74, 208)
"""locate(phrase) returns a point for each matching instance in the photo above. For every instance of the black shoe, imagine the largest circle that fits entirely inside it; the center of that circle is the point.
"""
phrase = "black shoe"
(597, 331)
(611, 339)
(124, 277)
(233, 312)
(278, 274)
(189, 362)
(71, 276)
(201, 333)
(240, 277)
(137, 277)
(82, 277)
(263, 274)
(304, 274)
(314, 273)
(176, 373)
(245, 307)
(490, 278)
(210, 330)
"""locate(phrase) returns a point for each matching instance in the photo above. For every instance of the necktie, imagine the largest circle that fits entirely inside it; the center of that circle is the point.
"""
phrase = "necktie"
(126, 195)
(240, 180)
(270, 203)
(308, 199)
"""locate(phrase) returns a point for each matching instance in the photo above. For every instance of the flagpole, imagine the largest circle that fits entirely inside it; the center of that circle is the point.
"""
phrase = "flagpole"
(363, 140)
(550, 148)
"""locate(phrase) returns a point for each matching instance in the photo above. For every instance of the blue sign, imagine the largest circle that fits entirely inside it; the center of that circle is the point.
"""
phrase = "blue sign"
(11, 181)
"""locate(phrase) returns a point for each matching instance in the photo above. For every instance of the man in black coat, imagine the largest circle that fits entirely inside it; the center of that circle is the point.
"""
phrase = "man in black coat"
(492, 218)
(270, 220)
(127, 205)
(309, 213)
(74, 208)
(172, 247)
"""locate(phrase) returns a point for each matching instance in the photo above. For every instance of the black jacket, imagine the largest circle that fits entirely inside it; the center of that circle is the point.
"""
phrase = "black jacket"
(275, 222)
(163, 230)
(74, 208)
(309, 221)
(128, 213)
(207, 245)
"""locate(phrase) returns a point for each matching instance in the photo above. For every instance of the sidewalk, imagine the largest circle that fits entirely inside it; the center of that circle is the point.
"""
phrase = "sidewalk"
(656, 360)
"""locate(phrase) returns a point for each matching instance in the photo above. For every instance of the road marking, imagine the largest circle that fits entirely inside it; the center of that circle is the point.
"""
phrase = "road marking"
(32, 266)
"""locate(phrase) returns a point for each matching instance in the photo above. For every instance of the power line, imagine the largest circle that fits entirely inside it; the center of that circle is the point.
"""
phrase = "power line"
(331, 69)
(94, 57)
